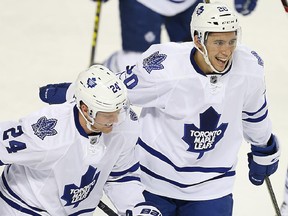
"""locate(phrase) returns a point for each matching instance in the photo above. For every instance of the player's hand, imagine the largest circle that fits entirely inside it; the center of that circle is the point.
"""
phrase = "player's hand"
(263, 161)
(245, 7)
(144, 209)
(54, 93)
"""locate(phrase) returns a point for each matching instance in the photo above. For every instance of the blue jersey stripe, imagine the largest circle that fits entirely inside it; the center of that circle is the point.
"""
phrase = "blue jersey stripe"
(127, 179)
(178, 184)
(131, 169)
(254, 113)
(256, 120)
(181, 169)
(9, 190)
(82, 212)
(18, 207)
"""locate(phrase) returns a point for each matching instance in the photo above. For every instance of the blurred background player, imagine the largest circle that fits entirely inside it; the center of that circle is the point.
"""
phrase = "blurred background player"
(60, 158)
(142, 22)
(245, 7)
(199, 100)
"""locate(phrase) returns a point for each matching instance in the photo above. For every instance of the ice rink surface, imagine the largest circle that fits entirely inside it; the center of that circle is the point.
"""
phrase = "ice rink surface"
(50, 41)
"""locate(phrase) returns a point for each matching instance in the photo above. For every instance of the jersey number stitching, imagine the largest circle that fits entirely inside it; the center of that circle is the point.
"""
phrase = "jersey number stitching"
(14, 145)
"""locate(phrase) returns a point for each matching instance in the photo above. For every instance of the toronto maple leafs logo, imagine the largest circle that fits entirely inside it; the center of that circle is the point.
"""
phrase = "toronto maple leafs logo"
(200, 10)
(44, 127)
(153, 62)
(91, 82)
(204, 138)
(73, 194)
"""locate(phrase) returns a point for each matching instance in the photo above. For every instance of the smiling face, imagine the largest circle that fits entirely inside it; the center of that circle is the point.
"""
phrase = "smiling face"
(220, 47)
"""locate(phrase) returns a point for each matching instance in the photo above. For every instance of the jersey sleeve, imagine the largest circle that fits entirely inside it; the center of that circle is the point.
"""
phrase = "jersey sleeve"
(148, 84)
(17, 146)
(32, 141)
(257, 125)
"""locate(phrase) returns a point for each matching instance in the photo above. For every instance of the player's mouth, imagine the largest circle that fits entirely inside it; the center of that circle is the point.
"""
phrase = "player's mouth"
(221, 61)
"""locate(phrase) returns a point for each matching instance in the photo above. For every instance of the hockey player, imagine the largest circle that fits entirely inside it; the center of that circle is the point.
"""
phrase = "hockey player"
(142, 21)
(60, 158)
(199, 100)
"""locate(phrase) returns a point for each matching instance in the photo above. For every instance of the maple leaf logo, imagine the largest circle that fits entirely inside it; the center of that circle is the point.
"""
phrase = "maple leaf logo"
(153, 62)
(44, 127)
(91, 82)
(204, 138)
(73, 194)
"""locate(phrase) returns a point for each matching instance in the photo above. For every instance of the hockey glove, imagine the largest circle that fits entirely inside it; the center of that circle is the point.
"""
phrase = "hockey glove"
(54, 93)
(245, 7)
(144, 209)
(263, 162)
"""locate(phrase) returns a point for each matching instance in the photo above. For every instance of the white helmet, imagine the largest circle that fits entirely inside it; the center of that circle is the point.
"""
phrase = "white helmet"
(212, 17)
(100, 90)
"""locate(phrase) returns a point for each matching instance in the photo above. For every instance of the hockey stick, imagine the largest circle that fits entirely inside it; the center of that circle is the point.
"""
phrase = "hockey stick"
(106, 209)
(95, 32)
(272, 195)
(285, 5)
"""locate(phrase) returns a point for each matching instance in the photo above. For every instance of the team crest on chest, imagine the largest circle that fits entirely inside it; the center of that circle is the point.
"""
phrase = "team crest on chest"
(44, 127)
(154, 62)
(74, 194)
(204, 138)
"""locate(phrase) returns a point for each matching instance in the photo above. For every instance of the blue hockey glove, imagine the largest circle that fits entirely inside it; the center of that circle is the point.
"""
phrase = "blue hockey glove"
(263, 162)
(245, 7)
(144, 209)
(54, 93)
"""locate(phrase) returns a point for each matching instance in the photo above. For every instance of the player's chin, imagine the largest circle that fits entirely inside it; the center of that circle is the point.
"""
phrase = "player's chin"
(107, 130)
(220, 66)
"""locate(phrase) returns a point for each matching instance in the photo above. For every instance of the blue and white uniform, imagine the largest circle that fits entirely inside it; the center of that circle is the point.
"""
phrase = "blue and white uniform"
(55, 169)
(192, 124)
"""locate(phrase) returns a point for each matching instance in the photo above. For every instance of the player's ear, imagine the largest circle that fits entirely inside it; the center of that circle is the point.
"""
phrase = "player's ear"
(83, 107)
(197, 42)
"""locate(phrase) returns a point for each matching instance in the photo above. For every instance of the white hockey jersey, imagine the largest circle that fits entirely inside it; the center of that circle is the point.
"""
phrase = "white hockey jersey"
(56, 169)
(192, 124)
(168, 7)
